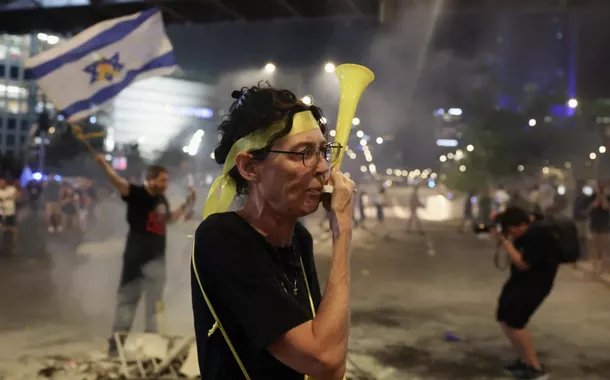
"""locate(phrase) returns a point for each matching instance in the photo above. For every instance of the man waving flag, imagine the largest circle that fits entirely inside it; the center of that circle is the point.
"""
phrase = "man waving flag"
(90, 69)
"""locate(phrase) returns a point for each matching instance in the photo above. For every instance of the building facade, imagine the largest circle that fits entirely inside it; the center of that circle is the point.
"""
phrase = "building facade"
(158, 113)
(151, 113)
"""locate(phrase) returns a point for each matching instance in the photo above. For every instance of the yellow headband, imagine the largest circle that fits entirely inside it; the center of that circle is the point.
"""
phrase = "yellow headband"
(221, 201)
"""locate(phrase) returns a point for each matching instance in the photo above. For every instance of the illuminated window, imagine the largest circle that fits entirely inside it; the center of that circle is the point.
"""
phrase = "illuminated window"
(3, 51)
(23, 107)
(13, 106)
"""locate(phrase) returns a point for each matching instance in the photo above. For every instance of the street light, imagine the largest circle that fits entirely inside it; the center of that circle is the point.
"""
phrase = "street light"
(470, 148)
(592, 156)
(602, 149)
(442, 158)
(572, 103)
(363, 169)
(360, 134)
(532, 122)
(462, 168)
(379, 140)
(333, 133)
(363, 142)
(269, 67)
(388, 171)
(307, 100)
(545, 170)
(520, 168)
(329, 67)
(356, 121)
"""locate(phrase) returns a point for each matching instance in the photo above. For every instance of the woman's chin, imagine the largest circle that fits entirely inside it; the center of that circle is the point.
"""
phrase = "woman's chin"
(310, 206)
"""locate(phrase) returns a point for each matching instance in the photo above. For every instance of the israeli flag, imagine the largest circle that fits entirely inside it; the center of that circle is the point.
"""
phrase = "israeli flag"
(88, 71)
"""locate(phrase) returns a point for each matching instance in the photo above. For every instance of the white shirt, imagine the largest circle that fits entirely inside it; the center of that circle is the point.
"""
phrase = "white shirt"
(7, 200)
(501, 198)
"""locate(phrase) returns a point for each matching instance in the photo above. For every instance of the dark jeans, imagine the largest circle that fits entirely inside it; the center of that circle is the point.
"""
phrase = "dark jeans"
(140, 276)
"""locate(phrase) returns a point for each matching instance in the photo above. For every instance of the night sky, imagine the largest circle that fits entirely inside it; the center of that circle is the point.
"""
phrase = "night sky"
(209, 50)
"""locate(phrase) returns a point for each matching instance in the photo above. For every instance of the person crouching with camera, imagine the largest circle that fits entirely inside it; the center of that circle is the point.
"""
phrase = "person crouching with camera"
(532, 274)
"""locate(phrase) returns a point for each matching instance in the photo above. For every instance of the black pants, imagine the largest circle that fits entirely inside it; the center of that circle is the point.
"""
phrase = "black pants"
(517, 304)
(143, 273)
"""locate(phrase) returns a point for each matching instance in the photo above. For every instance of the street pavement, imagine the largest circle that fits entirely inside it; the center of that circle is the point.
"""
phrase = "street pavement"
(408, 292)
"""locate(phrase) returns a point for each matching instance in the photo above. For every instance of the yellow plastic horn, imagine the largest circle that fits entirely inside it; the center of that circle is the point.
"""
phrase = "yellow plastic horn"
(353, 80)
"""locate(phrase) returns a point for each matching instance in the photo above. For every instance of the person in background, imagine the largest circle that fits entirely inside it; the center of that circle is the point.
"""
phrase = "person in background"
(599, 224)
(468, 217)
(500, 200)
(580, 215)
(380, 203)
(69, 202)
(532, 276)
(485, 206)
(415, 204)
(51, 193)
(359, 216)
(143, 271)
(8, 214)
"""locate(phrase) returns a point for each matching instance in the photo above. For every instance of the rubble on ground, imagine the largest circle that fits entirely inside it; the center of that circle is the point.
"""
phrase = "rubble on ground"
(142, 356)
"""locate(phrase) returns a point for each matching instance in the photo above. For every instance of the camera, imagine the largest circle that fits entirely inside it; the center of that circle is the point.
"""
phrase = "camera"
(482, 228)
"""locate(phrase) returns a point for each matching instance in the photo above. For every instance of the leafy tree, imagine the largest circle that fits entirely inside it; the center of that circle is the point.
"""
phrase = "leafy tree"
(504, 138)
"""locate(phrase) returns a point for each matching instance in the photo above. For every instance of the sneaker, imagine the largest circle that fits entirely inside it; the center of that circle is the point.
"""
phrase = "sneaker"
(531, 373)
(517, 366)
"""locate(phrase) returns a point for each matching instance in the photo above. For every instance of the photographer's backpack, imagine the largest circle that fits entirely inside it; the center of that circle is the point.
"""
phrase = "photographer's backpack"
(565, 234)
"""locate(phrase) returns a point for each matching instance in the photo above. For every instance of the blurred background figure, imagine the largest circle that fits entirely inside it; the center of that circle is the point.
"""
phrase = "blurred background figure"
(380, 202)
(580, 215)
(599, 224)
(415, 204)
(468, 216)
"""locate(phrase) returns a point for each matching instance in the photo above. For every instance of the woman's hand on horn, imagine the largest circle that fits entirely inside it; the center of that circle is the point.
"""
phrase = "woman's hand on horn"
(341, 202)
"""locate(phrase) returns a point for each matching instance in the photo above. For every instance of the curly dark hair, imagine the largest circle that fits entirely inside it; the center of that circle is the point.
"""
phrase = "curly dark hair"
(256, 108)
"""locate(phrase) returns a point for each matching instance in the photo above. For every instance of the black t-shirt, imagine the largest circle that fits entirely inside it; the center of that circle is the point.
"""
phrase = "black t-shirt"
(250, 285)
(600, 218)
(147, 214)
(536, 247)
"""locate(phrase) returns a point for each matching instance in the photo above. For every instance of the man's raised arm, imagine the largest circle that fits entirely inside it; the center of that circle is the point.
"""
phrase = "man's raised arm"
(116, 180)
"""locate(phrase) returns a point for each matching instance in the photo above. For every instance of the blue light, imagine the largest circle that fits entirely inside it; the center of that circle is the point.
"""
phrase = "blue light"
(57, 177)
(473, 199)
(93, 119)
(201, 113)
(431, 184)
(449, 195)
(37, 176)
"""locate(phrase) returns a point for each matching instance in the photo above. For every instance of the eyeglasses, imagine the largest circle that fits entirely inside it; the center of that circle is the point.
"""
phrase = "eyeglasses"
(311, 155)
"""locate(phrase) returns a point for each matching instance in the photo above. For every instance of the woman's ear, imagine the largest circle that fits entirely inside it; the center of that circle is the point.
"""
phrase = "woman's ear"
(247, 166)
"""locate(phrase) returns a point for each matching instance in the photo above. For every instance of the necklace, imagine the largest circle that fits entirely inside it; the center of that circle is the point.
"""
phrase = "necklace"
(295, 288)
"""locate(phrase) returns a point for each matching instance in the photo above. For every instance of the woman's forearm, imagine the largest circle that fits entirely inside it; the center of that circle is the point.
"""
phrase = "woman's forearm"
(331, 324)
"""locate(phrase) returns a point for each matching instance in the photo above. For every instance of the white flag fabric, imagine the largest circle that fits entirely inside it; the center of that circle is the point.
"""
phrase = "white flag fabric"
(84, 73)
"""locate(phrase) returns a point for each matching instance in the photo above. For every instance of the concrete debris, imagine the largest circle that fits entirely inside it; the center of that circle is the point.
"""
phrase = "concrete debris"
(143, 356)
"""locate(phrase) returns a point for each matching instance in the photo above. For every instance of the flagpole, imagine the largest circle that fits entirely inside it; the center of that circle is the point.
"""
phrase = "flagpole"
(43, 127)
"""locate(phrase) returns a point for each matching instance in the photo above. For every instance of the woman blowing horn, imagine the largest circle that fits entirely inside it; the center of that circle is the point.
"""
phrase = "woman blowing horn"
(257, 305)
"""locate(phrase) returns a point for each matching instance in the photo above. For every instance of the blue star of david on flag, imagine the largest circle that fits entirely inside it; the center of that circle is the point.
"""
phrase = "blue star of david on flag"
(104, 69)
